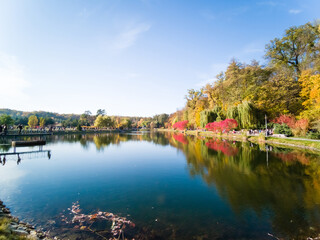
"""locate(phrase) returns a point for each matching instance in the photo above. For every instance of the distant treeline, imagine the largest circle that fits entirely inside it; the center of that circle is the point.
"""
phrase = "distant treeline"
(100, 119)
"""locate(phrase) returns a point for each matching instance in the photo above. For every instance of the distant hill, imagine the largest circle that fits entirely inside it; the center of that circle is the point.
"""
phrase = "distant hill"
(56, 116)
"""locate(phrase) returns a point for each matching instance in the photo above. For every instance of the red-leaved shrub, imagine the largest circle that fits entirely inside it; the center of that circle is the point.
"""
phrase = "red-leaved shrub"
(180, 125)
(298, 128)
(222, 126)
(287, 119)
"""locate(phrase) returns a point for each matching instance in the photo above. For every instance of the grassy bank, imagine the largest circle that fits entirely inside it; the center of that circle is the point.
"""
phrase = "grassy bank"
(295, 143)
(6, 232)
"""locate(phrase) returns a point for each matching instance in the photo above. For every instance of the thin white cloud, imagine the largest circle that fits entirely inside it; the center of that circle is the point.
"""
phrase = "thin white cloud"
(294, 11)
(12, 79)
(130, 35)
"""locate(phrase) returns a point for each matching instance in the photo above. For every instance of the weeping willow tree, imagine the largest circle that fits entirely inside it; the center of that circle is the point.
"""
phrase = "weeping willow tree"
(207, 116)
(246, 115)
(212, 115)
(232, 112)
(219, 111)
(185, 114)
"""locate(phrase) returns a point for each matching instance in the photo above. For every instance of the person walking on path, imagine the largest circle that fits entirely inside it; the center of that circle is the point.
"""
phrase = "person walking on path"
(20, 128)
(5, 129)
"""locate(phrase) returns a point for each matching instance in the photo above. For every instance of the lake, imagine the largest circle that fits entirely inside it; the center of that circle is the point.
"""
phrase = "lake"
(163, 186)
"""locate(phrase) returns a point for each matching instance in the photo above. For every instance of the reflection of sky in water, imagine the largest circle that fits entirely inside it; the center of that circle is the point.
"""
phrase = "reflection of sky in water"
(148, 182)
(10, 179)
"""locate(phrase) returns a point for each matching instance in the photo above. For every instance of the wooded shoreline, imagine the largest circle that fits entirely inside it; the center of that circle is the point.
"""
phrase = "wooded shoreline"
(313, 146)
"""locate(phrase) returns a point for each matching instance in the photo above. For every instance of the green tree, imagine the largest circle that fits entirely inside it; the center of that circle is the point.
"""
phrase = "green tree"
(42, 122)
(85, 118)
(21, 120)
(101, 112)
(33, 121)
(207, 116)
(196, 102)
(297, 49)
(99, 122)
(103, 121)
(88, 112)
(125, 123)
(49, 121)
(6, 119)
(79, 128)
(280, 94)
(160, 119)
(282, 129)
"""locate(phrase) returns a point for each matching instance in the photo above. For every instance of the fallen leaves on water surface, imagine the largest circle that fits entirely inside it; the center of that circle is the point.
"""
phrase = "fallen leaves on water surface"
(104, 224)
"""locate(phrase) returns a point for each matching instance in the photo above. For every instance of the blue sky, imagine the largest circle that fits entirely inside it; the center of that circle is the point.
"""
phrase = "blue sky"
(130, 57)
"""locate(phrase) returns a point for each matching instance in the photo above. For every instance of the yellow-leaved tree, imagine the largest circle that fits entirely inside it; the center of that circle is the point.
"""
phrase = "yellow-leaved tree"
(310, 92)
(33, 121)
(42, 122)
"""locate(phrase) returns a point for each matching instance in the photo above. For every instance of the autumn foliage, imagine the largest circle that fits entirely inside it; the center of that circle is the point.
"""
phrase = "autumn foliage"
(301, 127)
(180, 125)
(248, 92)
(222, 126)
(310, 93)
(286, 119)
(298, 127)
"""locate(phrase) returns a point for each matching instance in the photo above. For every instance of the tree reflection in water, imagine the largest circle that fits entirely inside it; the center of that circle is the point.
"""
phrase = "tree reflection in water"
(287, 189)
(283, 187)
(181, 138)
(223, 146)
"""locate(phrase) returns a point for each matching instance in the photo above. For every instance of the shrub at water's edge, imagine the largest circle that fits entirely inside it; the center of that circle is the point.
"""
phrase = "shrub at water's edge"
(182, 125)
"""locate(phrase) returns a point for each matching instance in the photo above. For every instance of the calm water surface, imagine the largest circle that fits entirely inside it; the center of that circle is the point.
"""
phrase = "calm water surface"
(171, 186)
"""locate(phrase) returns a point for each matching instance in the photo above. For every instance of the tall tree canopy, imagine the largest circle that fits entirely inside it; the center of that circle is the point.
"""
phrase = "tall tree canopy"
(297, 49)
